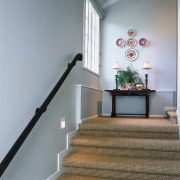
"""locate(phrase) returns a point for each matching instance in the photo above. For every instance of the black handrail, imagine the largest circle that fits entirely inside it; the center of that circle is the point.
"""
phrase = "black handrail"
(39, 111)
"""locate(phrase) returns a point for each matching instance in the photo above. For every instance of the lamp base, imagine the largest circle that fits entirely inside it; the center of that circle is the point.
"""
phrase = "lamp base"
(116, 76)
(146, 80)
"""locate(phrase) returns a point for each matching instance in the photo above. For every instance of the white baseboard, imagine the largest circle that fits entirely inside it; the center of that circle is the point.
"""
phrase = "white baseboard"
(153, 115)
(59, 170)
(106, 115)
(170, 109)
(60, 157)
(68, 138)
(157, 116)
(178, 120)
(85, 119)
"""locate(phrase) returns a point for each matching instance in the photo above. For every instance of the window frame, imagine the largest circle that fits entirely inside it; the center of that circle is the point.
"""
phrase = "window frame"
(91, 41)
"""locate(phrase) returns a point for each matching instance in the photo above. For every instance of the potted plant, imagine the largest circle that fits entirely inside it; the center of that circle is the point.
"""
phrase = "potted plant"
(139, 84)
(127, 78)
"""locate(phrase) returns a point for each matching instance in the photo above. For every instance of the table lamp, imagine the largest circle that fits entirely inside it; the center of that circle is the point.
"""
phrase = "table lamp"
(147, 66)
(116, 66)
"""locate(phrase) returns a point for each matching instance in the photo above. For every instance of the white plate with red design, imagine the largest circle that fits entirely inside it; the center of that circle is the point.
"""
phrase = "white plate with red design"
(131, 54)
(131, 42)
(132, 32)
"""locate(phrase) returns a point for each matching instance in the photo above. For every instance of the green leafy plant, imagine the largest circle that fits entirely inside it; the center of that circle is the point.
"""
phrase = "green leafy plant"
(127, 76)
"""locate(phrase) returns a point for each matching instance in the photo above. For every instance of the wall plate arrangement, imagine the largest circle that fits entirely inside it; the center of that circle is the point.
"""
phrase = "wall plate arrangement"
(131, 54)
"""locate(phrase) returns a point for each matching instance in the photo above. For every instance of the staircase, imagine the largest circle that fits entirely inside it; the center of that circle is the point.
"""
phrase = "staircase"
(124, 148)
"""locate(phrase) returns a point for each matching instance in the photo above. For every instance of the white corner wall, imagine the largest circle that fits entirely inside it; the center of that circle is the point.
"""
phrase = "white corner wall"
(178, 64)
(37, 40)
(155, 20)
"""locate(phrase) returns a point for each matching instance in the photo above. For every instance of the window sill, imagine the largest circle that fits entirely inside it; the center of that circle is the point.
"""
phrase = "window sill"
(91, 71)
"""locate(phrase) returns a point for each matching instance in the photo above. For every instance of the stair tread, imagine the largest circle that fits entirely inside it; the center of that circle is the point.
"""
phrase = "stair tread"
(73, 177)
(131, 125)
(133, 143)
(123, 163)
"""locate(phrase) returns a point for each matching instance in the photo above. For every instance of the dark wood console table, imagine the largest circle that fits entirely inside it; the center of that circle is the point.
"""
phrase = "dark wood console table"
(118, 92)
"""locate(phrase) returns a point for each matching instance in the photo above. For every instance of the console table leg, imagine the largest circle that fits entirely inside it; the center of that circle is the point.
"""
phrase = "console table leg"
(147, 106)
(113, 113)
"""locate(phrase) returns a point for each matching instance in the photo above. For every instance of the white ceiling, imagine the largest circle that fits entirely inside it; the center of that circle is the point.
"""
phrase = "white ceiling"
(107, 3)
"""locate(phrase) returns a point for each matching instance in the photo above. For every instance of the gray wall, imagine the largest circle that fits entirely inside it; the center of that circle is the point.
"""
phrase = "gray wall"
(155, 20)
(37, 40)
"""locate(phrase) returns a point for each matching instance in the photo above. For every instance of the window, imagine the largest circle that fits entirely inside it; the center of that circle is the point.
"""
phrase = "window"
(91, 38)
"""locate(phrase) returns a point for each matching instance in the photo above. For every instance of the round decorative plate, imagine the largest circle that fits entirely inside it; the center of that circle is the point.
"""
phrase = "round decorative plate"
(120, 42)
(143, 42)
(131, 42)
(131, 54)
(132, 32)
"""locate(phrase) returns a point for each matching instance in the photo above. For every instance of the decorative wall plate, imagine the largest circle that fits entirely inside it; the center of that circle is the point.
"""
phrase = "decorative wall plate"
(131, 54)
(131, 42)
(143, 42)
(120, 42)
(132, 32)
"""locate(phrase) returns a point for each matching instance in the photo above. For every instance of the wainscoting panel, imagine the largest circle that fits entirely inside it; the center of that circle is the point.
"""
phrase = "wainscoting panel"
(88, 102)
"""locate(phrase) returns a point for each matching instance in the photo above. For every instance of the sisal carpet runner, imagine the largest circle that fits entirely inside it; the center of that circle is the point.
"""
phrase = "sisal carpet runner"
(124, 149)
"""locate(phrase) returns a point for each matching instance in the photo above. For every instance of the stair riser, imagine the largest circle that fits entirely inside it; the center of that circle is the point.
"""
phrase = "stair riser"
(130, 134)
(173, 120)
(127, 152)
(117, 174)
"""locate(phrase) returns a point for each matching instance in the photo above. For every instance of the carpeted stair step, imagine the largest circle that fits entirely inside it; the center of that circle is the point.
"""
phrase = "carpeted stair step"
(121, 167)
(154, 148)
(73, 177)
(135, 128)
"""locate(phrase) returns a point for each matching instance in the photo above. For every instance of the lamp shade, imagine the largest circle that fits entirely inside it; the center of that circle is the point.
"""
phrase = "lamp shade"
(116, 65)
(147, 65)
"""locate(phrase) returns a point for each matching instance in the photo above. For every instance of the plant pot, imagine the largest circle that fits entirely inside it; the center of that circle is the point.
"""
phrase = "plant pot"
(132, 86)
(124, 86)
(139, 86)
